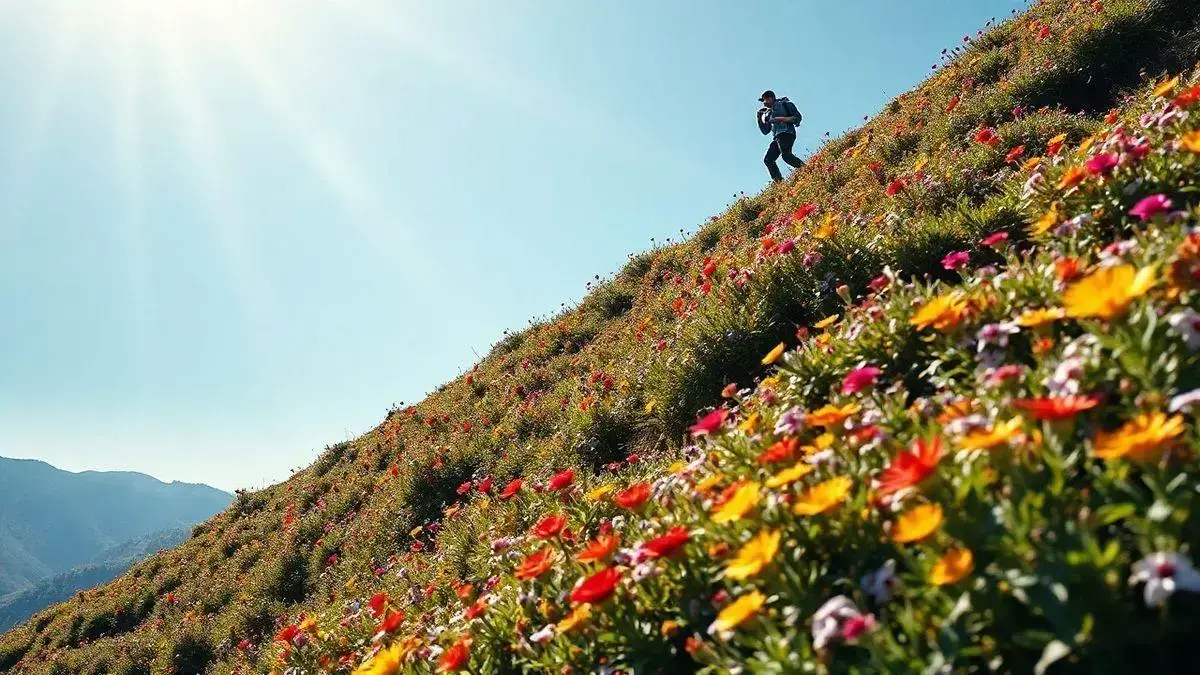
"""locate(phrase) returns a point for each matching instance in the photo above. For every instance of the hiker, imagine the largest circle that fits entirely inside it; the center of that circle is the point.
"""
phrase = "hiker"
(780, 117)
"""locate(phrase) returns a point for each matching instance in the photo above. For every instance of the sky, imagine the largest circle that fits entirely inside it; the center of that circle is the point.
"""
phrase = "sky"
(233, 232)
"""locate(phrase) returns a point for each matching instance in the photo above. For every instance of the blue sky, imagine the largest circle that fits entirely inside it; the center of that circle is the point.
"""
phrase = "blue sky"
(235, 231)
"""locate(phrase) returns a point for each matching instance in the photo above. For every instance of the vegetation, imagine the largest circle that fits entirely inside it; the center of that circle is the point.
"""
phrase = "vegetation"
(972, 449)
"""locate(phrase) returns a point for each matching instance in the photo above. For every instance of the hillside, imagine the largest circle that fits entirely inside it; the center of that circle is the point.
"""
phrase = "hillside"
(946, 377)
(17, 606)
(53, 520)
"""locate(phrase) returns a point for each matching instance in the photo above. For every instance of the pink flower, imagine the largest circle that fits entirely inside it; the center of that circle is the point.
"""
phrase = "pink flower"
(787, 246)
(994, 240)
(710, 423)
(956, 260)
(879, 283)
(859, 379)
(1102, 163)
(1150, 206)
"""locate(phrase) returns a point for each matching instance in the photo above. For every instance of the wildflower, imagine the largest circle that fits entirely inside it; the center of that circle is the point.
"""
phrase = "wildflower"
(1166, 87)
(598, 587)
(1187, 324)
(550, 525)
(804, 211)
(1139, 439)
(826, 322)
(954, 564)
(599, 549)
(535, 564)
(999, 434)
(839, 619)
(544, 634)
(917, 523)
(881, 583)
(987, 136)
(577, 618)
(1187, 97)
(456, 657)
(633, 497)
(790, 422)
(859, 379)
(1102, 164)
(737, 613)
(1032, 318)
(822, 497)
(1184, 401)
(790, 475)
(942, 312)
(1014, 154)
(1148, 207)
(1191, 142)
(832, 415)
(1074, 176)
(386, 661)
(773, 355)
(561, 480)
(377, 604)
(744, 498)
(1049, 219)
(956, 260)
(667, 544)
(1107, 292)
(1055, 144)
(600, 492)
(1057, 408)
(994, 240)
(911, 467)
(782, 450)
(995, 335)
(1164, 573)
(895, 187)
(510, 490)
(754, 556)
(710, 423)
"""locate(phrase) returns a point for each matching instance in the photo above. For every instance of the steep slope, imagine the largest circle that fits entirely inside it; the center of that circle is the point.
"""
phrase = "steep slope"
(414, 532)
(53, 520)
(19, 605)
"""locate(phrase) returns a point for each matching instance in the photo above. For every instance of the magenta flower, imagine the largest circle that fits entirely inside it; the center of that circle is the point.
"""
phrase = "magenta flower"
(1150, 206)
(956, 260)
(994, 240)
(1102, 163)
(859, 379)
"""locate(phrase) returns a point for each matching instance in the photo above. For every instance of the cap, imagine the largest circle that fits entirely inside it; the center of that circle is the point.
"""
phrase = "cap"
(765, 94)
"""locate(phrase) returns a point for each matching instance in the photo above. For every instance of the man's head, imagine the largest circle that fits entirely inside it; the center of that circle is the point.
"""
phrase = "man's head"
(767, 98)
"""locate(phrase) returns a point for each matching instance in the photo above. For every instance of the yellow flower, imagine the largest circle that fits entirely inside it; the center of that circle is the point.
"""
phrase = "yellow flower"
(1139, 439)
(754, 556)
(1165, 88)
(600, 492)
(917, 523)
(669, 628)
(827, 321)
(832, 415)
(1086, 143)
(773, 355)
(709, 482)
(954, 564)
(1048, 220)
(743, 500)
(750, 423)
(1000, 433)
(943, 312)
(738, 612)
(1061, 138)
(578, 617)
(387, 661)
(679, 466)
(650, 406)
(827, 227)
(1032, 318)
(1191, 142)
(1031, 163)
(920, 164)
(823, 496)
(789, 475)
(1107, 292)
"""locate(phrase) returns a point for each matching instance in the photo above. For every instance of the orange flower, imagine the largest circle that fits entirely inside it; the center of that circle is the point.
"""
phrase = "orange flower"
(917, 523)
(823, 496)
(773, 355)
(599, 548)
(550, 525)
(954, 564)
(1141, 439)
(1057, 408)
(743, 497)
(633, 496)
(942, 313)
(781, 451)
(1074, 176)
(832, 415)
(535, 564)
(1107, 292)
(456, 657)
(911, 467)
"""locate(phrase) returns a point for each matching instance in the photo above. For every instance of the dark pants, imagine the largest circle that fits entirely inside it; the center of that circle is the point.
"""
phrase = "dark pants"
(781, 147)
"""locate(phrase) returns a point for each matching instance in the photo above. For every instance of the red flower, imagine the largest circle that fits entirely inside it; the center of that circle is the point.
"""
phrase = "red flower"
(911, 467)
(1188, 96)
(994, 240)
(562, 480)
(464, 488)
(390, 622)
(710, 423)
(550, 525)
(377, 604)
(287, 633)
(859, 379)
(665, 545)
(781, 451)
(511, 489)
(1102, 163)
(1014, 154)
(1057, 408)
(987, 136)
(535, 564)
(484, 485)
(598, 587)
(599, 548)
(953, 104)
(803, 212)
(895, 187)
(633, 496)
(456, 657)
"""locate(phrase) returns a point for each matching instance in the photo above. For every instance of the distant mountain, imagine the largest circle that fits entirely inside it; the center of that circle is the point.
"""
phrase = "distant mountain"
(108, 565)
(53, 521)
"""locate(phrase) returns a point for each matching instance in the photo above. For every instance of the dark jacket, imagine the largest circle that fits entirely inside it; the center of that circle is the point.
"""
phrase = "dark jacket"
(781, 108)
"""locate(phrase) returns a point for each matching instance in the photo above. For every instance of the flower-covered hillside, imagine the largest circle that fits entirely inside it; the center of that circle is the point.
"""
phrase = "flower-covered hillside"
(408, 539)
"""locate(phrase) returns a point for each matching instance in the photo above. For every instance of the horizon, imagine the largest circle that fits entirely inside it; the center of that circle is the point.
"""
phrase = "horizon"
(231, 246)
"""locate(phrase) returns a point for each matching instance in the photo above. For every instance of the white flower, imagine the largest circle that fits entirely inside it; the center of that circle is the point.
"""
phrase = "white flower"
(1184, 401)
(1187, 324)
(881, 583)
(839, 619)
(790, 422)
(543, 635)
(1164, 573)
(1065, 380)
(995, 335)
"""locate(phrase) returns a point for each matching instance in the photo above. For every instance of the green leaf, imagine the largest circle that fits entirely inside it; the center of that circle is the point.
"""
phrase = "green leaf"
(1111, 513)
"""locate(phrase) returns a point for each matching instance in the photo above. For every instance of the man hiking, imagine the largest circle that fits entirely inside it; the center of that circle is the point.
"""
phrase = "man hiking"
(779, 116)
